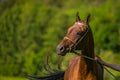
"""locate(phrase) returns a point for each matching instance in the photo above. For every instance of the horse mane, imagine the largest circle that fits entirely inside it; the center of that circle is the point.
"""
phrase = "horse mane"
(51, 74)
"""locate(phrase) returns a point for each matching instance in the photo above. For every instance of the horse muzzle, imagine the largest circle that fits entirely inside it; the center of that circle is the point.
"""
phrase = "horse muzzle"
(61, 50)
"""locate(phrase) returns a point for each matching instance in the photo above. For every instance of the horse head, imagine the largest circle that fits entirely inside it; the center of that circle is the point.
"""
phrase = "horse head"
(75, 35)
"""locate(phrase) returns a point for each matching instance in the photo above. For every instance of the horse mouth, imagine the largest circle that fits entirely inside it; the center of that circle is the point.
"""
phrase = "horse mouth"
(63, 50)
(62, 53)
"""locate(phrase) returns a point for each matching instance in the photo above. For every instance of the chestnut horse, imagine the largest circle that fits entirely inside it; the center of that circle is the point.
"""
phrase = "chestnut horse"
(79, 37)
(86, 66)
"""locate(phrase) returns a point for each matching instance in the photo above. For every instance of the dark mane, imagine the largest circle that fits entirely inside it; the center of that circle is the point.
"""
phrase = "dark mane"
(51, 74)
(54, 76)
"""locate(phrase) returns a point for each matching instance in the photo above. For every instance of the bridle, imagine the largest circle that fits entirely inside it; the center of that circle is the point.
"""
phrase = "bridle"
(75, 44)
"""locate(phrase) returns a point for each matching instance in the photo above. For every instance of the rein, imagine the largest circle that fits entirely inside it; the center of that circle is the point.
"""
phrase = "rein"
(83, 56)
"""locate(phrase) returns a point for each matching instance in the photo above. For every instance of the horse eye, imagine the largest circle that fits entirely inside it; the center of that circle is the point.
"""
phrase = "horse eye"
(78, 33)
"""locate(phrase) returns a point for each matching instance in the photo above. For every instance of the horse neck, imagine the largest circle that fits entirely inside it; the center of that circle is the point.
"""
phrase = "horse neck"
(81, 68)
(88, 50)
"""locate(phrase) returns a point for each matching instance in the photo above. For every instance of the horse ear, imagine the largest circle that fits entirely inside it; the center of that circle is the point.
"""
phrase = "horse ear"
(77, 17)
(88, 19)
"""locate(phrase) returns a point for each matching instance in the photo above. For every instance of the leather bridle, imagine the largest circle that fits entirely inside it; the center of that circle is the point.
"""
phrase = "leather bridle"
(75, 44)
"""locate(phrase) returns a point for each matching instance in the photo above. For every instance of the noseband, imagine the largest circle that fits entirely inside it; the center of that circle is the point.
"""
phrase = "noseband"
(69, 39)
(75, 44)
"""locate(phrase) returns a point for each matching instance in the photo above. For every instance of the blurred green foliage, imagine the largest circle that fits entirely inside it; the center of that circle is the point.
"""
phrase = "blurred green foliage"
(11, 78)
(31, 29)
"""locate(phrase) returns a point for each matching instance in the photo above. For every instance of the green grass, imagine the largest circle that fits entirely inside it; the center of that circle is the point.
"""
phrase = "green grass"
(11, 78)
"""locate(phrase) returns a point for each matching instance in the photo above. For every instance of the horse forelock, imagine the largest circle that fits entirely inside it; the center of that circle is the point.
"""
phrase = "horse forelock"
(80, 24)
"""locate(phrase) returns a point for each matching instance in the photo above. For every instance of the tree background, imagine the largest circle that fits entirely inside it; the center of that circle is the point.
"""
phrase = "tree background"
(31, 29)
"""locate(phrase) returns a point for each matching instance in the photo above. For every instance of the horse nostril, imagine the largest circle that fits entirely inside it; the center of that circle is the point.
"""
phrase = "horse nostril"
(62, 49)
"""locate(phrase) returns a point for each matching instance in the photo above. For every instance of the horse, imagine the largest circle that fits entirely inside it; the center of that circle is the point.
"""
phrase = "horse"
(85, 66)
(79, 37)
